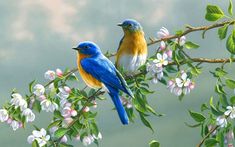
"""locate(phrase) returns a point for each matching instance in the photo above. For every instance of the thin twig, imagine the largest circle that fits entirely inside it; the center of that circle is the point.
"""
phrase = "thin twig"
(207, 135)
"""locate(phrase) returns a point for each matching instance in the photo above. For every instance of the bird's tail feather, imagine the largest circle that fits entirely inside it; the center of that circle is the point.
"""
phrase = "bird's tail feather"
(118, 104)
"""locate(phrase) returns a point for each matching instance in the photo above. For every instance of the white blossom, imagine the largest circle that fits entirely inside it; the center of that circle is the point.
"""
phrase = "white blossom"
(41, 137)
(68, 112)
(3, 115)
(161, 60)
(181, 41)
(183, 81)
(221, 121)
(87, 140)
(30, 116)
(163, 33)
(49, 75)
(18, 101)
(49, 106)
(99, 136)
(39, 89)
(230, 112)
(15, 125)
(64, 92)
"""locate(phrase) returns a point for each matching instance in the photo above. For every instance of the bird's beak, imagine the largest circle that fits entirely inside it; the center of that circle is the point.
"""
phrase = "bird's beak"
(120, 24)
(76, 48)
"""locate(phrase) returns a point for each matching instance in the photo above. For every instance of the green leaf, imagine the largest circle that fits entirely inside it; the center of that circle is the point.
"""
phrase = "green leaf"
(65, 145)
(219, 72)
(61, 132)
(154, 143)
(210, 142)
(95, 129)
(213, 13)
(230, 8)
(197, 116)
(57, 114)
(37, 106)
(35, 144)
(213, 108)
(145, 122)
(55, 123)
(232, 100)
(31, 86)
(191, 45)
(230, 83)
(222, 32)
(192, 126)
(230, 44)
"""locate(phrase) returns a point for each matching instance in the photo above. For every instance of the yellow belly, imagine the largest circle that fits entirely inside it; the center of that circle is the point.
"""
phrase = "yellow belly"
(133, 44)
(87, 78)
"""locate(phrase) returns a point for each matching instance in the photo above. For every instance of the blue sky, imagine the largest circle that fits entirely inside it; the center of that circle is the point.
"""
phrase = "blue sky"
(37, 35)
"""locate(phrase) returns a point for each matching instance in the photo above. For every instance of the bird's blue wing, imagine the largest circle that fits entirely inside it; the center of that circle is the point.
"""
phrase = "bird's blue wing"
(120, 43)
(104, 70)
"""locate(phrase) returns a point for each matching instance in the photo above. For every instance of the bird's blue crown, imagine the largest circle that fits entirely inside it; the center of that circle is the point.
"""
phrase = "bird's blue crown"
(88, 48)
(131, 25)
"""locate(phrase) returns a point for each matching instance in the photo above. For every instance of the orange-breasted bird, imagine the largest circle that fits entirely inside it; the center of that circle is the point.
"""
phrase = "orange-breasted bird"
(132, 51)
(97, 71)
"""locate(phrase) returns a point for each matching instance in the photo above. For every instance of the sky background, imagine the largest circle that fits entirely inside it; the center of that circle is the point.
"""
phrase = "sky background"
(37, 35)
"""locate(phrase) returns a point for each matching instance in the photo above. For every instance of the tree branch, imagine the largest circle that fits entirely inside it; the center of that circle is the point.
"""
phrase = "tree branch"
(206, 60)
(192, 29)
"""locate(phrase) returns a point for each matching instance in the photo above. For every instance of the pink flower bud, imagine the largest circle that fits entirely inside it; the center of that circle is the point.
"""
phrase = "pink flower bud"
(191, 86)
(64, 139)
(86, 109)
(95, 104)
(169, 53)
(59, 72)
(230, 135)
(77, 137)
(42, 97)
(67, 89)
(68, 120)
(9, 121)
(162, 45)
(20, 125)
(73, 112)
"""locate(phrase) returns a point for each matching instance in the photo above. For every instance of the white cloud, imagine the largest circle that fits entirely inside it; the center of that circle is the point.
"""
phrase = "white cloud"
(6, 54)
(154, 14)
(60, 13)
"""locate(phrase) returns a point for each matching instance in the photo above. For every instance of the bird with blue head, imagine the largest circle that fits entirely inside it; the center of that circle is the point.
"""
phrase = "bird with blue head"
(97, 71)
(132, 51)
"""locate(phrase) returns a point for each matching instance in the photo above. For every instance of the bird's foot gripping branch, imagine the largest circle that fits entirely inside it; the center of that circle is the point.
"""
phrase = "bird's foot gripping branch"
(74, 109)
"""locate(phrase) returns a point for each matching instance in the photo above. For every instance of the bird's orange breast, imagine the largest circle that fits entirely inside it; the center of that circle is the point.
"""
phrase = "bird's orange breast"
(132, 44)
(87, 78)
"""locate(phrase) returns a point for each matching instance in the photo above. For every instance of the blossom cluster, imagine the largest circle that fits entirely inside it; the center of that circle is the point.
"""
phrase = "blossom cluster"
(87, 140)
(182, 84)
(163, 56)
(17, 105)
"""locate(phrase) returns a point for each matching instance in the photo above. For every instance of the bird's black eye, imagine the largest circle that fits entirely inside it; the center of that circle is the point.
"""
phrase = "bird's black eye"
(129, 25)
(86, 47)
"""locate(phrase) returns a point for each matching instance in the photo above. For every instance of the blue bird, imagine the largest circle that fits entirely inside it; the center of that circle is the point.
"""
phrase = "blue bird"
(132, 51)
(97, 71)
